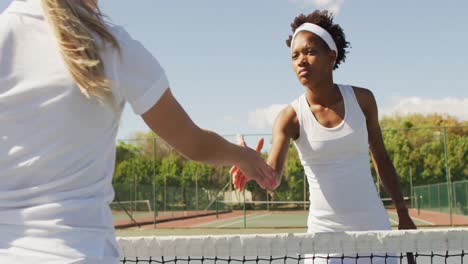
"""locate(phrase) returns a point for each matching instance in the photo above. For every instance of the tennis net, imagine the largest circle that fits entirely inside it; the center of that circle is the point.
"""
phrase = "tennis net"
(448, 246)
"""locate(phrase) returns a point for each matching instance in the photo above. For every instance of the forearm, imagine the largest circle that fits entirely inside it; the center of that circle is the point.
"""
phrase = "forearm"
(277, 157)
(277, 164)
(391, 183)
(211, 148)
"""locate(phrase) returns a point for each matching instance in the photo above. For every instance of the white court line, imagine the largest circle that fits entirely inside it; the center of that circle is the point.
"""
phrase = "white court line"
(242, 220)
(219, 221)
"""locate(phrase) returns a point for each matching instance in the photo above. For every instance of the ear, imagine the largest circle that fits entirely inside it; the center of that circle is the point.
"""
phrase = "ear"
(333, 57)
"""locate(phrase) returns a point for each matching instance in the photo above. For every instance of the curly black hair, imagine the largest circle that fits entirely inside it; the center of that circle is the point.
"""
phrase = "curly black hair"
(324, 19)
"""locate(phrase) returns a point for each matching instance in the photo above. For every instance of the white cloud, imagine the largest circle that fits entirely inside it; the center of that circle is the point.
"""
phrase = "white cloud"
(332, 5)
(264, 118)
(457, 107)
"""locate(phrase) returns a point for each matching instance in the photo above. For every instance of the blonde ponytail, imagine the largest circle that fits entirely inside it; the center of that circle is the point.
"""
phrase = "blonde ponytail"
(74, 22)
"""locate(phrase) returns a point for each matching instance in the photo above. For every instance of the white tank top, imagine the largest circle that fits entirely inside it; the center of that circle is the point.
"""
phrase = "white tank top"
(343, 196)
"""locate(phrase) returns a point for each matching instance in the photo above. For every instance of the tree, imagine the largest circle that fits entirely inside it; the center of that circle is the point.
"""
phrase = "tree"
(125, 151)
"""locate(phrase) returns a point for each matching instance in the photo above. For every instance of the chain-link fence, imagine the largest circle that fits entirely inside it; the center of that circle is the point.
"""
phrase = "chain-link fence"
(438, 197)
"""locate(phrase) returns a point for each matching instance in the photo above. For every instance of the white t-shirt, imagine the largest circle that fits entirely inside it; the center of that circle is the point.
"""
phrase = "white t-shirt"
(57, 148)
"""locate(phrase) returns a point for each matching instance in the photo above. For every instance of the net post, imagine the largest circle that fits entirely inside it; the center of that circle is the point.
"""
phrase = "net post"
(410, 258)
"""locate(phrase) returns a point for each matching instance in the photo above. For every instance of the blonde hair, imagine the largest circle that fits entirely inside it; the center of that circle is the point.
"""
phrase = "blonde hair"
(74, 23)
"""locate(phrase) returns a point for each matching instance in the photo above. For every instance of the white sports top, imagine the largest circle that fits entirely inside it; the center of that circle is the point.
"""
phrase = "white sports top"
(343, 196)
(57, 148)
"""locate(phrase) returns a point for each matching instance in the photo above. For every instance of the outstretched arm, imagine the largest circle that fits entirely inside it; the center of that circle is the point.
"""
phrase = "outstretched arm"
(169, 120)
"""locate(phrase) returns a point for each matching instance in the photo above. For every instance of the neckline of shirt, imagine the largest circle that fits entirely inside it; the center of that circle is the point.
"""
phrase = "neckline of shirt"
(311, 114)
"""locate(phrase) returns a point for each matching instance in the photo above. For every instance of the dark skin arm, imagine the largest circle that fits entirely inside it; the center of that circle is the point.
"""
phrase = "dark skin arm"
(380, 158)
(286, 127)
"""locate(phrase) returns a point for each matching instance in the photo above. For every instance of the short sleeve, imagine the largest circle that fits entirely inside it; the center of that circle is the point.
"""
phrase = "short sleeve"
(140, 79)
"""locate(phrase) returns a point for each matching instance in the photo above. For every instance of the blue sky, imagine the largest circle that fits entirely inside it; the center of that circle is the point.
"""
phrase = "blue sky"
(229, 67)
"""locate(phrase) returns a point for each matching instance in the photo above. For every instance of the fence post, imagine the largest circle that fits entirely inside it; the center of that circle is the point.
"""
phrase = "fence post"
(419, 204)
(447, 174)
(165, 194)
(216, 204)
(155, 210)
(196, 190)
(411, 186)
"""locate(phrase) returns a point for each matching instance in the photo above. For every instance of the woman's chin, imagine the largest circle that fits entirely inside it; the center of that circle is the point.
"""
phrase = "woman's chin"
(304, 81)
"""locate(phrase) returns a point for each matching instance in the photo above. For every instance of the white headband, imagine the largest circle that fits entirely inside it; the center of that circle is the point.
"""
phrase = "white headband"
(319, 31)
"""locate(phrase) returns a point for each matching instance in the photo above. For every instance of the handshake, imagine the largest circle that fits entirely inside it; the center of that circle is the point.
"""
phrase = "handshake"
(265, 176)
